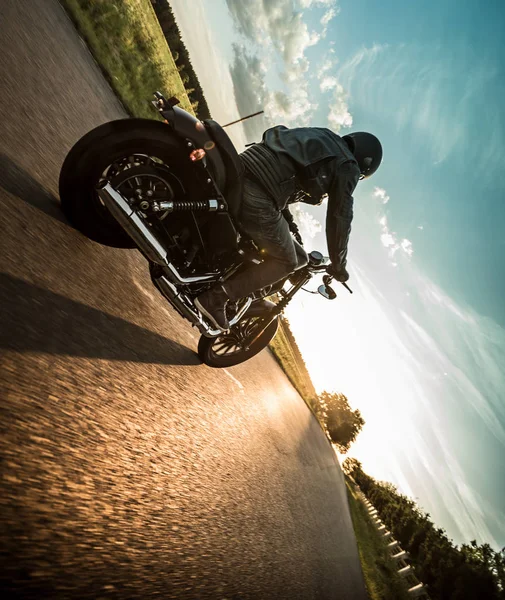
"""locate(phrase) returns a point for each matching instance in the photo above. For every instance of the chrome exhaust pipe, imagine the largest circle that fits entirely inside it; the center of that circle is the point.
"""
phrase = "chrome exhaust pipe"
(141, 234)
(171, 293)
(133, 224)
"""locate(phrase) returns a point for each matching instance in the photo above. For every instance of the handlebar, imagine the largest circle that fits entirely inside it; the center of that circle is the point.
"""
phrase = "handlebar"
(317, 268)
(327, 279)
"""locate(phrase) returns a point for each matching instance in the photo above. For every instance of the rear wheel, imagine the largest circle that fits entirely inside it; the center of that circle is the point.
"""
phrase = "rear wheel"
(232, 348)
(106, 152)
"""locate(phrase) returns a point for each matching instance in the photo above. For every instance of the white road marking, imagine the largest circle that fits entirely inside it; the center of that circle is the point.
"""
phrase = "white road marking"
(235, 381)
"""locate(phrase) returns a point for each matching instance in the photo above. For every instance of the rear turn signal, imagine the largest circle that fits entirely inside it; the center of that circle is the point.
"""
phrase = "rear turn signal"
(197, 154)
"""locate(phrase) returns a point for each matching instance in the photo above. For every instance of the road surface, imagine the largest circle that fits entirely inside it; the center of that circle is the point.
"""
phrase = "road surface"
(130, 470)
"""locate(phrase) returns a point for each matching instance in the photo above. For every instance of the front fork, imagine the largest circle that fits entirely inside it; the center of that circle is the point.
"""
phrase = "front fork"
(278, 308)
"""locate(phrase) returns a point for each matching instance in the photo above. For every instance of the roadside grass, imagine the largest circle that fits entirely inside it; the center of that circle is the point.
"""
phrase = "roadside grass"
(381, 577)
(292, 364)
(127, 42)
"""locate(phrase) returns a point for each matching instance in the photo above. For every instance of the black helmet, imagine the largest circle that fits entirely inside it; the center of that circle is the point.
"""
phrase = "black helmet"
(367, 150)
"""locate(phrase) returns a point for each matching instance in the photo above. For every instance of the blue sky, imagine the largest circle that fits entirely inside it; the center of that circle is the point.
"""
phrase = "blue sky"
(420, 346)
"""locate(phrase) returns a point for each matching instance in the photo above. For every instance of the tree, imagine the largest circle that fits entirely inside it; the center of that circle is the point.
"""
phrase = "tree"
(342, 423)
(352, 467)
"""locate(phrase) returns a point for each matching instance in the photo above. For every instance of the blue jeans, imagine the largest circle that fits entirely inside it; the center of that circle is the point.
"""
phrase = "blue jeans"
(264, 223)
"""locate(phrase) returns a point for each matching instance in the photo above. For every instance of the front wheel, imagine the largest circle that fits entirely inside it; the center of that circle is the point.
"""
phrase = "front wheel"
(231, 348)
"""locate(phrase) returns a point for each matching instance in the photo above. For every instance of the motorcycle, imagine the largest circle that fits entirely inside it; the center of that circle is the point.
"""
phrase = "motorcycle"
(172, 188)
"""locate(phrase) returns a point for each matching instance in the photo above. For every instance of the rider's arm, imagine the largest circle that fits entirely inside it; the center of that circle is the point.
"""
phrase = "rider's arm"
(287, 214)
(340, 211)
(293, 227)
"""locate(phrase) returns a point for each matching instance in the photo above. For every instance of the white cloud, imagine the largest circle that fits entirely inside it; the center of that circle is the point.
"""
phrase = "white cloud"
(326, 66)
(328, 83)
(328, 16)
(278, 29)
(406, 246)
(388, 238)
(311, 3)
(309, 226)
(389, 241)
(339, 115)
(276, 22)
(381, 193)
(291, 106)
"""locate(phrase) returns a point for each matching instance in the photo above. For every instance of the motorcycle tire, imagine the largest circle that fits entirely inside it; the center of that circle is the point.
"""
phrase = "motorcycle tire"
(217, 361)
(93, 154)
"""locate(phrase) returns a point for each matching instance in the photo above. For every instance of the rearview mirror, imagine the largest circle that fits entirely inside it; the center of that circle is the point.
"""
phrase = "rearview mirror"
(326, 291)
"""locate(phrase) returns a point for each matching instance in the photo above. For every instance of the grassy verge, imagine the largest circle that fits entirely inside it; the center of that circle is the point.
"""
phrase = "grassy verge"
(381, 577)
(126, 40)
(292, 364)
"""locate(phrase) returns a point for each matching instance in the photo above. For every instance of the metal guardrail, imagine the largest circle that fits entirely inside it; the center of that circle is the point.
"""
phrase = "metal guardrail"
(415, 588)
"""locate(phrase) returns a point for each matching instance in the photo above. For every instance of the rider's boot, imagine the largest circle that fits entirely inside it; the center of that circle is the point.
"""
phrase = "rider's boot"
(212, 304)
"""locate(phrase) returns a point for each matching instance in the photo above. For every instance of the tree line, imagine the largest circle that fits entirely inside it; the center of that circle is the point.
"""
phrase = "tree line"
(468, 572)
(189, 78)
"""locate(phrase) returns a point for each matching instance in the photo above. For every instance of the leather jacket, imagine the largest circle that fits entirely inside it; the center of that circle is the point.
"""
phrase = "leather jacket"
(305, 164)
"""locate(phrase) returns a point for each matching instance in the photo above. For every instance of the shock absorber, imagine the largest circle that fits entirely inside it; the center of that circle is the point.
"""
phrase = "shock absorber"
(281, 305)
(181, 205)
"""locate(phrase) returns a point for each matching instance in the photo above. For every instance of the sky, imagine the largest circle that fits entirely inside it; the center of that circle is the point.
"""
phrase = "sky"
(419, 347)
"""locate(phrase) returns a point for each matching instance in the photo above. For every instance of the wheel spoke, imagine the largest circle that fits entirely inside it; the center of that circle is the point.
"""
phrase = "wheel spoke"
(219, 346)
(220, 341)
(225, 347)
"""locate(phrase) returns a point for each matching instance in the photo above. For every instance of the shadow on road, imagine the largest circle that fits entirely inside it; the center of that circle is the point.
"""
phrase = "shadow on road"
(37, 320)
(15, 180)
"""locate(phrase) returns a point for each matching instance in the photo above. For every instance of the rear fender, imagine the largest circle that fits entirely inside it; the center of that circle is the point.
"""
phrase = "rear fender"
(182, 125)
(194, 131)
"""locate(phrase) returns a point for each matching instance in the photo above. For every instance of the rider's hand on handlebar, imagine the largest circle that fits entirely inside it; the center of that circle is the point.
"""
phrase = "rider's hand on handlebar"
(339, 273)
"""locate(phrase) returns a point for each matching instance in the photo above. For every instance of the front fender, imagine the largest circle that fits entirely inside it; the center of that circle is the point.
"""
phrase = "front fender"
(259, 308)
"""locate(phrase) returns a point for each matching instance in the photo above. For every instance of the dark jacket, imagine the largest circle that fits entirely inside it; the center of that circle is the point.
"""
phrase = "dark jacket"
(314, 161)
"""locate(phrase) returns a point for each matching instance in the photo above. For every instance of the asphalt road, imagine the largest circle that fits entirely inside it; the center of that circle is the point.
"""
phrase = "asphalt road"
(129, 470)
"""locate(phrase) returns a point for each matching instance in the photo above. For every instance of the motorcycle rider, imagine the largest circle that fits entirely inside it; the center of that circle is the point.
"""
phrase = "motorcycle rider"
(291, 165)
